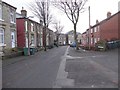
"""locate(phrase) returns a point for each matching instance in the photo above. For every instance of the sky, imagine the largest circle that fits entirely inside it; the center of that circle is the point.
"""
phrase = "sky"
(99, 9)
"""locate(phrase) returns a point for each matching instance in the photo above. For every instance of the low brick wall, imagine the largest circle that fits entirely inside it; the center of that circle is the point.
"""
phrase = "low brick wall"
(12, 55)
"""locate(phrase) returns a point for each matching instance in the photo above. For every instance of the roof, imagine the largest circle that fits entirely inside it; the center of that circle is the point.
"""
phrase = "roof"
(72, 32)
(105, 19)
(84, 32)
(28, 19)
(9, 5)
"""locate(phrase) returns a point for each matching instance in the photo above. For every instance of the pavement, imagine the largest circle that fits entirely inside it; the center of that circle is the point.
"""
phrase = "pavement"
(0, 70)
(88, 69)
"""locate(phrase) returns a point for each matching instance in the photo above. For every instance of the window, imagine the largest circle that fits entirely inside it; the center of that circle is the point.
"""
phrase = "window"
(95, 29)
(1, 36)
(32, 40)
(95, 40)
(98, 28)
(98, 39)
(91, 30)
(26, 26)
(12, 16)
(32, 29)
(0, 12)
(91, 40)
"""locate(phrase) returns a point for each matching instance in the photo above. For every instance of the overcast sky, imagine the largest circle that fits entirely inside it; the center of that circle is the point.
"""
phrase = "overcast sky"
(99, 9)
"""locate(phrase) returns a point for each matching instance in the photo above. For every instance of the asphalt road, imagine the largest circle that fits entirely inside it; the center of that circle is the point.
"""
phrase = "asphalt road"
(92, 69)
(37, 71)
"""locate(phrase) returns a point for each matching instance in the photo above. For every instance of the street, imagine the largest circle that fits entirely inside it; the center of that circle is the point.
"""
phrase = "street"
(63, 67)
(89, 69)
(37, 71)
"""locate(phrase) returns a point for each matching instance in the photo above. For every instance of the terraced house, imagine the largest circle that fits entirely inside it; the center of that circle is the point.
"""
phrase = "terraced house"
(8, 35)
(29, 32)
(106, 30)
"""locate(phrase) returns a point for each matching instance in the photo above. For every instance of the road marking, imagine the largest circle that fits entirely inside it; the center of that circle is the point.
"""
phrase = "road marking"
(62, 79)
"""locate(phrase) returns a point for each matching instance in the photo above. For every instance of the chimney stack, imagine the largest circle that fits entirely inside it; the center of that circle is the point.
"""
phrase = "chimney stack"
(23, 12)
(97, 21)
(108, 14)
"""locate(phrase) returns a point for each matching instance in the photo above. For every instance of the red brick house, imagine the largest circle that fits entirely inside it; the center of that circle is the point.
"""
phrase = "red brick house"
(29, 32)
(109, 27)
(84, 39)
(107, 30)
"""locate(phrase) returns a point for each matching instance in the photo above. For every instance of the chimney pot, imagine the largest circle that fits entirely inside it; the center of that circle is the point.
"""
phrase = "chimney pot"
(23, 12)
(97, 21)
(108, 14)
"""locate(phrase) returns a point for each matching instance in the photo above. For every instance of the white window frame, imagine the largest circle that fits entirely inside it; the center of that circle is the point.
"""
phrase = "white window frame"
(12, 16)
(95, 29)
(95, 40)
(91, 30)
(32, 39)
(91, 40)
(26, 26)
(2, 35)
(32, 27)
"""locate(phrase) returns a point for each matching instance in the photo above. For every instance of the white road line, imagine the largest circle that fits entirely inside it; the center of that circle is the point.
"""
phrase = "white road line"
(62, 79)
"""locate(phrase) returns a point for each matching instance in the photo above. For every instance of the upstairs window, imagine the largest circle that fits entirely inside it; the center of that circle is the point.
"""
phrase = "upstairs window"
(26, 26)
(91, 30)
(95, 30)
(32, 29)
(12, 16)
(98, 28)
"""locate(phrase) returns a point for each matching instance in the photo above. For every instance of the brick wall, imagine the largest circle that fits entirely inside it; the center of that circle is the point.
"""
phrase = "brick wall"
(109, 28)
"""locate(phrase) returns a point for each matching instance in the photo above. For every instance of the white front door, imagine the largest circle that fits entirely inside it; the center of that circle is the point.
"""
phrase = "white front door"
(13, 39)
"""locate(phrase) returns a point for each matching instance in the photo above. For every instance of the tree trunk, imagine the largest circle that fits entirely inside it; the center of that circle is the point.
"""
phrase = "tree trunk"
(44, 38)
(57, 39)
(75, 36)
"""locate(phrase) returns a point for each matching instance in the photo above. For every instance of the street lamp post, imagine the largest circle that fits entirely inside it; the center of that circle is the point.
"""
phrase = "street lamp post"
(89, 29)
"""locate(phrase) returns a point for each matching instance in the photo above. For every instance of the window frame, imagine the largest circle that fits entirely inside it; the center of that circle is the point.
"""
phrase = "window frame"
(95, 40)
(95, 29)
(32, 27)
(2, 34)
(0, 11)
(12, 16)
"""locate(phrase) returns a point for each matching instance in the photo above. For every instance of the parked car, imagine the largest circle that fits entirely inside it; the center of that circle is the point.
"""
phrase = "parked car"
(73, 44)
(113, 44)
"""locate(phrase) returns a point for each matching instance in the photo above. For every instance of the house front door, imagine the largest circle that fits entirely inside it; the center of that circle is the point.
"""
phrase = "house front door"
(13, 39)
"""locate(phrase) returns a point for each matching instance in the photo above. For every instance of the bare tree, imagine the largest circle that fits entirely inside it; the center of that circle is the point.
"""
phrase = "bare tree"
(41, 9)
(72, 8)
(59, 28)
